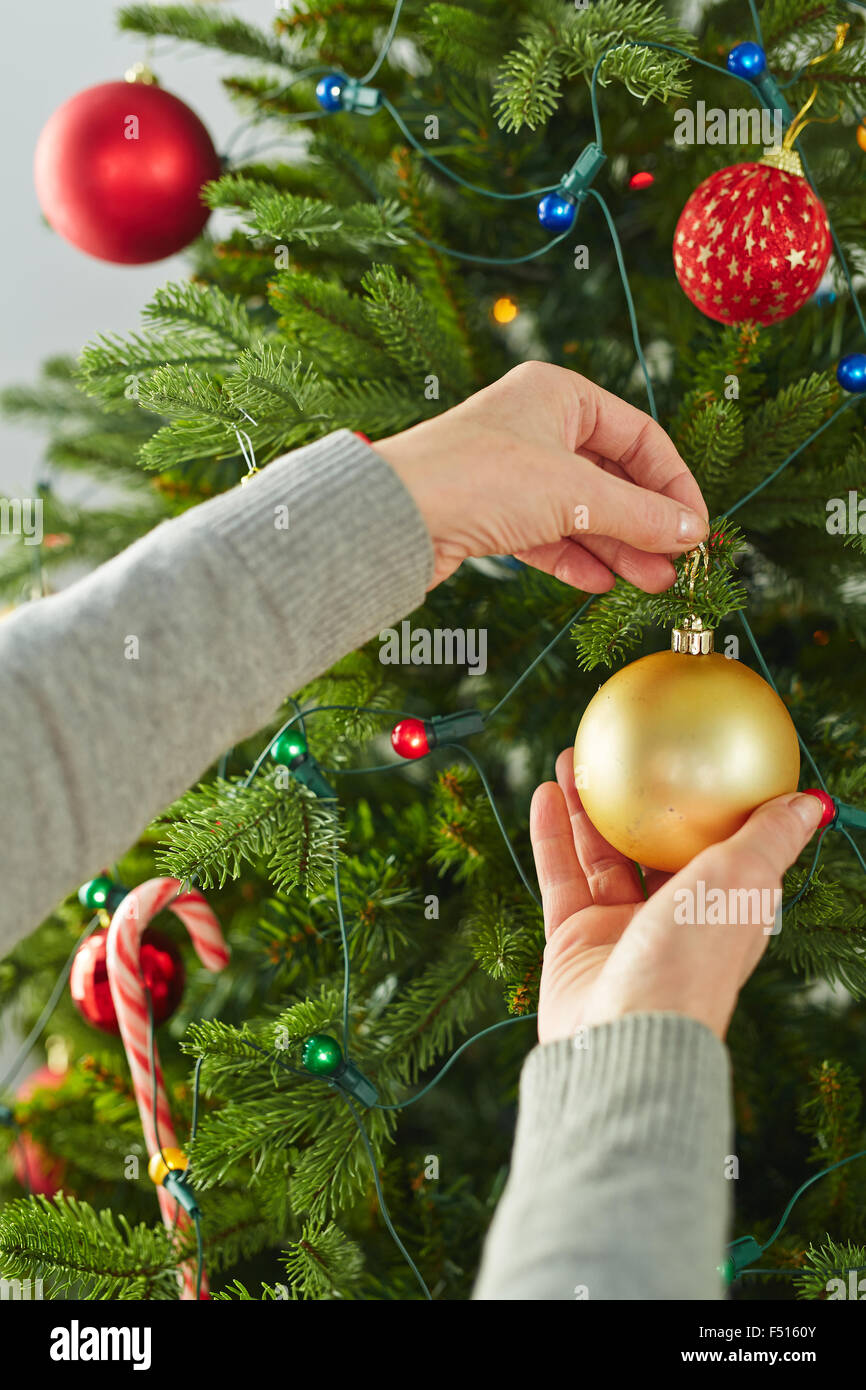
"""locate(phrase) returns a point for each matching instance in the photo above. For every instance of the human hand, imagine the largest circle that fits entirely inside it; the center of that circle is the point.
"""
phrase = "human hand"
(610, 952)
(549, 467)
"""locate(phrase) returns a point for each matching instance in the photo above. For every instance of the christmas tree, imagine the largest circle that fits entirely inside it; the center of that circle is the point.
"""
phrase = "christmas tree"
(385, 261)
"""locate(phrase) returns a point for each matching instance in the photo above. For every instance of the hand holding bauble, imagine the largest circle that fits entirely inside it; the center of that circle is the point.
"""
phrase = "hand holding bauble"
(677, 749)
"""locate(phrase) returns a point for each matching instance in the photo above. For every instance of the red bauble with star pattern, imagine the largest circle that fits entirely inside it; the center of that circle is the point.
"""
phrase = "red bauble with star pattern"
(753, 241)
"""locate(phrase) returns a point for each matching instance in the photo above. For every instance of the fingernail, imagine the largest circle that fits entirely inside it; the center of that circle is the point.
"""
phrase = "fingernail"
(691, 527)
(808, 808)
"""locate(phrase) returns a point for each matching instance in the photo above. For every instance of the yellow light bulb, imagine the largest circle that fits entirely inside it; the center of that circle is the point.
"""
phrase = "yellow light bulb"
(161, 1164)
(505, 310)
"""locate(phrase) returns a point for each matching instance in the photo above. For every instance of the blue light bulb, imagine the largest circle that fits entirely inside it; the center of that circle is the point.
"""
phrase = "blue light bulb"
(851, 372)
(747, 60)
(556, 213)
(329, 91)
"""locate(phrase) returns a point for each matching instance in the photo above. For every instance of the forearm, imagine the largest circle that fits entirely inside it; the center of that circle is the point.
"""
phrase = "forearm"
(120, 691)
(617, 1187)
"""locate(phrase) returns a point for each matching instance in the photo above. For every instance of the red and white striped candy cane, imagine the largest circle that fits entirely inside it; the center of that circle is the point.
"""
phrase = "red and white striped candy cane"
(138, 908)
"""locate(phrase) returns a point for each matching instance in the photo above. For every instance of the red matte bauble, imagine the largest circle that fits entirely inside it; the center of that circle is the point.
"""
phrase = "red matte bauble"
(119, 170)
(35, 1169)
(161, 967)
(752, 242)
(409, 738)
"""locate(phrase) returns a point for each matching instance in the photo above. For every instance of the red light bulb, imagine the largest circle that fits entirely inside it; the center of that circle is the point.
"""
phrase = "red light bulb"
(642, 180)
(409, 738)
(826, 801)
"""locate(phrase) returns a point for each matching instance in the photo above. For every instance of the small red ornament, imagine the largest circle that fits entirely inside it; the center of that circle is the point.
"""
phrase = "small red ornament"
(410, 738)
(35, 1169)
(119, 170)
(753, 241)
(641, 180)
(161, 966)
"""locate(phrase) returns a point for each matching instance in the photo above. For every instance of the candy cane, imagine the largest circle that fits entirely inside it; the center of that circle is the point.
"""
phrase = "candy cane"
(138, 908)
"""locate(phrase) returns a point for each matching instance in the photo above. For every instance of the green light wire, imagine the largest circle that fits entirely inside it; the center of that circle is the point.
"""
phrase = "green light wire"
(151, 1047)
(845, 831)
(278, 142)
(632, 315)
(457, 178)
(503, 1023)
(756, 21)
(492, 260)
(196, 1220)
(802, 1189)
(35, 1032)
(396, 767)
(497, 817)
(281, 1062)
(810, 875)
(318, 709)
(345, 940)
(299, 712)
(196, 1083)
(768, 676)
(386, 46)
(846, 405)
(383, 1207)
(840, 255)
(541, 655)
(199, 1256)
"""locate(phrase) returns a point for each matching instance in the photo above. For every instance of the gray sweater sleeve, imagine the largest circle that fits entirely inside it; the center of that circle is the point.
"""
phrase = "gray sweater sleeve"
(617, 1187)
(119, 692)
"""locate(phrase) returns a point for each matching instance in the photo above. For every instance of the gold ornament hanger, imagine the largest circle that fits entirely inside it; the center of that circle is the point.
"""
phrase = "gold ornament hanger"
(693, 638)
(784, 156)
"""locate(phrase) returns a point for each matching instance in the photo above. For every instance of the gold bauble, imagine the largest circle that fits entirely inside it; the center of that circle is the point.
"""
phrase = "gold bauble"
(675, 751)
(861, 135)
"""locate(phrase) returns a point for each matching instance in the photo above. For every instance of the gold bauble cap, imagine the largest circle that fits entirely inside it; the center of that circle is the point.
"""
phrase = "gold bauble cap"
(140, 72)
(693, 639)
(786, 160)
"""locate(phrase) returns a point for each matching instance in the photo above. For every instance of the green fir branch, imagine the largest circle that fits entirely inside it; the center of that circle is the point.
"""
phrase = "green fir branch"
(218, 827)
(204, 25)
(85, 1253)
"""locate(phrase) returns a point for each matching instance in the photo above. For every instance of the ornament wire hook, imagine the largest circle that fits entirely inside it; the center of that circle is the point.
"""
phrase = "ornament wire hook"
(696, 555)
(800, 121)
(246, 448)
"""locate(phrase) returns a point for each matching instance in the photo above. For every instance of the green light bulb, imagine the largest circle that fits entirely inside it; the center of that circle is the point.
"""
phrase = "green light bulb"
(288, 746)
(95, 893)
(322, 1055)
